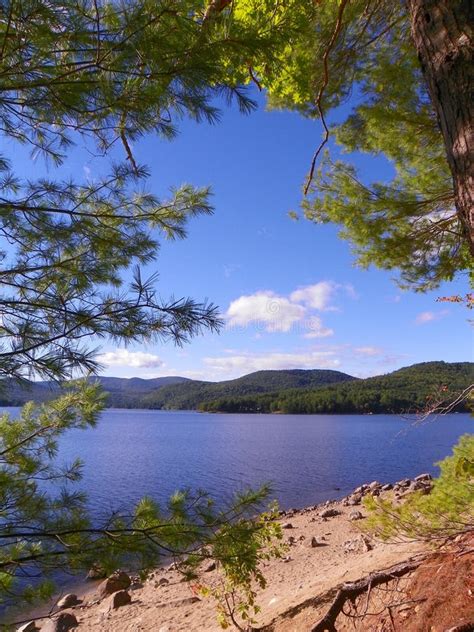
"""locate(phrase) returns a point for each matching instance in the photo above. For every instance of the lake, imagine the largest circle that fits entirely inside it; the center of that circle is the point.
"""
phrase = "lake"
(307, 458)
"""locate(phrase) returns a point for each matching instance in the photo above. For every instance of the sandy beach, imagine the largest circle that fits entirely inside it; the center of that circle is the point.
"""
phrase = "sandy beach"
(326, 547)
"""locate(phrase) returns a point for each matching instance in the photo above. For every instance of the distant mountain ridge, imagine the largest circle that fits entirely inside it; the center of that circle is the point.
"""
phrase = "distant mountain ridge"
(120, 390)
(291, 391)
(408, 390)
(193, 394)
(176, 392)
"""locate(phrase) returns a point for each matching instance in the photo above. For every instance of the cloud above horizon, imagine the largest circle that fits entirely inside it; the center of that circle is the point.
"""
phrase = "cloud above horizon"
(249, 362)
(368, 351)
(134, 359)
(274, 312)
(317, 296)
(277, 313)
(427, 317)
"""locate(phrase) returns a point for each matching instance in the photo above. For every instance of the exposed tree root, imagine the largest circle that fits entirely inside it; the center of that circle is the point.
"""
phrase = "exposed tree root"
(350, 591)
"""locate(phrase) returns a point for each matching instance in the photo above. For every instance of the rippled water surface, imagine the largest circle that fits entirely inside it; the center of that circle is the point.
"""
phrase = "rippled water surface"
(136, 452)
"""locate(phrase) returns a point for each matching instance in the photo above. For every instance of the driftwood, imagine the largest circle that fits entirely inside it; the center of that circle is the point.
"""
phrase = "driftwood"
(352, 590)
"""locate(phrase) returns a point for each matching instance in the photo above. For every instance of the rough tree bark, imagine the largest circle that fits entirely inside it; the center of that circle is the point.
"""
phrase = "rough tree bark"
(442, 31)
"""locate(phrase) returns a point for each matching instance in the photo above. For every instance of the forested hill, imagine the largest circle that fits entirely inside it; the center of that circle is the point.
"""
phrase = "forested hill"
(406, 390)
(122, 392)
(286, 391)
(193, 394)
(177, 392)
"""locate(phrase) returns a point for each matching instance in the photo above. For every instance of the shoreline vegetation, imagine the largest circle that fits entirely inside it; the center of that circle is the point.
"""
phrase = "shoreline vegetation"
(409, 390)
(326, 550)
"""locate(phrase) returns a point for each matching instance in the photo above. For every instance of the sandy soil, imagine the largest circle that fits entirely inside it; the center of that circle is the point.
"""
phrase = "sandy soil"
(293, 583)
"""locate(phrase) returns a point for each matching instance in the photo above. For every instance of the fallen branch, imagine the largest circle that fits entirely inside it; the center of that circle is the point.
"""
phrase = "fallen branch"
(354, 589)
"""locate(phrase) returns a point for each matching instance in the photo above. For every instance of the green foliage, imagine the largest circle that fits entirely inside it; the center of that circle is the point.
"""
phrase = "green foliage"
(409, 390)
(240, 551)
(446, 511)
(190, 395)
(102, 74)
(46, 525)
(407, 222)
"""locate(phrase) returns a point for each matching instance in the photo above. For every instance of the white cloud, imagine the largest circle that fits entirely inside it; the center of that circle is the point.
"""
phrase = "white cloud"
(317, 296)
(428, 317)
(316, 329)
(320, 295)
(368, 351)
(246, 362)
(274, 312)
(134, 359)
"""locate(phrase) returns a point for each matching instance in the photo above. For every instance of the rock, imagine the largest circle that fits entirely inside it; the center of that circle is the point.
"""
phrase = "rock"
(62, 623)
(423, 477)
(404, 483)
(96, 572)
(28, 627)
(329, 513)
(358, 545)
(367, 544)
(287, 558)
(210, 567)
(351, 545)
(314, 542)
(416, 486)
(387, 487)
(119, 599)
(291, 540)
(355, 515)
(68, 601)
(355, 499)
(117, 581)
(163, 581)
(374, 485)
(184, 602)
(287, 525)
(360, 490)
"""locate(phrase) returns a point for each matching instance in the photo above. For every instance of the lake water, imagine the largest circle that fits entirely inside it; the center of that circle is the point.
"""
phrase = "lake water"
(132, 453)
(308, 459)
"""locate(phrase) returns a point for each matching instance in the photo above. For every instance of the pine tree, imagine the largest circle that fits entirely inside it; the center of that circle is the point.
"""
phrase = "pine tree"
(407, 69)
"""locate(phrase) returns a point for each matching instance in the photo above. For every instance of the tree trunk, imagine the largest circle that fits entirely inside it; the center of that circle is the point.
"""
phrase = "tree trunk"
(442, 31)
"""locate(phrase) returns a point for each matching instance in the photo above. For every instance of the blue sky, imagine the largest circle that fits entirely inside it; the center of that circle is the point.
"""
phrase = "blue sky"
(289, 290)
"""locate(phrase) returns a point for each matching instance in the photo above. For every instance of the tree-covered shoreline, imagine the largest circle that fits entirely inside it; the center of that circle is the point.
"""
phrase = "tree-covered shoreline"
(408, 390)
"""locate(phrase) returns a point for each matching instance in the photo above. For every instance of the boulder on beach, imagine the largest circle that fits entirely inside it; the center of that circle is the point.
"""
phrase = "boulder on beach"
(61, 623)
(68, 601)
(119, 599)
(329, 513)
(117, 581)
